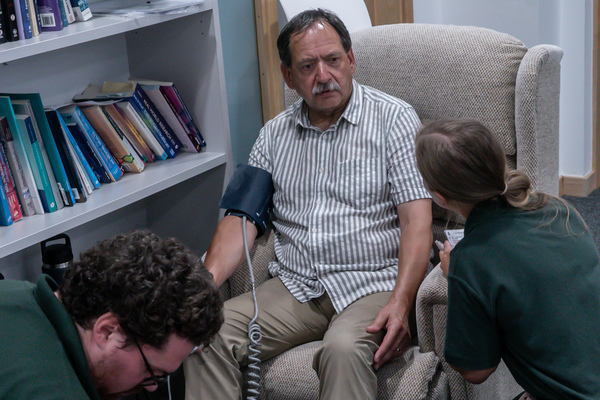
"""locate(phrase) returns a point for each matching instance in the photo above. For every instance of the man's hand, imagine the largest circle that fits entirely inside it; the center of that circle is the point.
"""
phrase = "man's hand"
(397, 337)
(445, 257)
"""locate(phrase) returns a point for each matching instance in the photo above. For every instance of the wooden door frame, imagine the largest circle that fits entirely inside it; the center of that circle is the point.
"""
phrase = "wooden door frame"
(267, 29)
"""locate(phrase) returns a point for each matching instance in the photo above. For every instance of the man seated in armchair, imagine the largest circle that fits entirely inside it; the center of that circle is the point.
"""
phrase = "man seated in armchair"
(352, 224)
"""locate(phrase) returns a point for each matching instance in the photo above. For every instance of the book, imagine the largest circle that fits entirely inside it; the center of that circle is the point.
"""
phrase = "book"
(23, 21)
(99, 173)
(69, 14)
(10, 20)
(189, 142)
(130, 92)
(138, 123)
(72, 113)
(31, 104)
(3, 38)
(81, 9)
(114, 140)
(57, 126)
(10, 188)
(34, 17)
(22, 187)
(130, 132)
(63, 13)
(177, 104)
(50, 17)
(84, 166)
(26, 135)
(15, 142)
(5, 217)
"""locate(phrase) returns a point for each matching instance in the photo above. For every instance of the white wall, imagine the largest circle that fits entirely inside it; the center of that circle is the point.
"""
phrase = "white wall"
(564, 23)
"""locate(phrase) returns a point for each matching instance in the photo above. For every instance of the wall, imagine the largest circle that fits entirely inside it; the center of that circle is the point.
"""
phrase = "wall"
(564, 23)
(238, 36)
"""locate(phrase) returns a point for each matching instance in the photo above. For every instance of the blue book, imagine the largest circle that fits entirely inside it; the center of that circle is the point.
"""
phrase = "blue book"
(72, 114)
(93, 178)
(86, 149)
(31, 104)
(57, 126)
(26, 135)
(23, 21)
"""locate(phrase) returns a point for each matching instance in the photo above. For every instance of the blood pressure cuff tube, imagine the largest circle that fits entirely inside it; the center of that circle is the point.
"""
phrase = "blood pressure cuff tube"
(249, 193)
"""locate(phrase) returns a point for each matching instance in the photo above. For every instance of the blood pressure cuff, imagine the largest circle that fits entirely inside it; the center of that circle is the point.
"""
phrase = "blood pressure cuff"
(249, 193)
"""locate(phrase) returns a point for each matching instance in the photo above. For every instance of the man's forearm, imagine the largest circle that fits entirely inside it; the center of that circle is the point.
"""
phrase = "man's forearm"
(226, 250)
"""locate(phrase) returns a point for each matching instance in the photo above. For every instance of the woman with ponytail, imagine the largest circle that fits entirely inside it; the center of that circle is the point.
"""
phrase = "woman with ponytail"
(524, 282)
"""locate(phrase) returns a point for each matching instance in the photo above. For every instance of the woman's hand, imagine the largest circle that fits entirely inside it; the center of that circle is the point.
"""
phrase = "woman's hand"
(445, 250)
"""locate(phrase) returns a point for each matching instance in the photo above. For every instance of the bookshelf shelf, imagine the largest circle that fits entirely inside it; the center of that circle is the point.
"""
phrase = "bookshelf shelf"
(175, 197)
(98, 27)
(108, 198)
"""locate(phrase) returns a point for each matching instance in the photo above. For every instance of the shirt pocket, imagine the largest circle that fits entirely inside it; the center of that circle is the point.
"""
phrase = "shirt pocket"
(360, 182)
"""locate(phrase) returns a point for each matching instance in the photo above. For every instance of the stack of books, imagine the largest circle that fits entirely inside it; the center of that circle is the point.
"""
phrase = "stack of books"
(24, 19)
(56, 157)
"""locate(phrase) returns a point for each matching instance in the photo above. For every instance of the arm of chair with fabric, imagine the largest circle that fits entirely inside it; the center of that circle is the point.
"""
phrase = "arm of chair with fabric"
(537, 96)
(432, 300)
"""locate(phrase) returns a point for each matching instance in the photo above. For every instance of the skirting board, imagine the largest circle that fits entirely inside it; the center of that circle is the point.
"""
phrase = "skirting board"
(577, 185)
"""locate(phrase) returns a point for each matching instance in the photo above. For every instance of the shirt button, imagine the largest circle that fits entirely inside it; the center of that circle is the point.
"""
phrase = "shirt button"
(318, 202)
(321, 170)
(314, 230)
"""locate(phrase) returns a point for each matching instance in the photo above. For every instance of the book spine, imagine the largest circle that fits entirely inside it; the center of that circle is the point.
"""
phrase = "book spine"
(22, 15)
(63, 13)
(130, 160)
(135, 119)
(50, 18)
(83, 160)
(176, 102)
(106, 158)
(69, 11)
(34, 16)
(3, 38)
(189, 141)
(9, 187)
(145, 116)
(10, 20)
(37, 164)
(5, 217)
(20, 180)
(158, 119)
(130, 132)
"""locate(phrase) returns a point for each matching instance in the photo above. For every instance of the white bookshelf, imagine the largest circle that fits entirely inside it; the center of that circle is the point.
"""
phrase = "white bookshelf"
(182, 47)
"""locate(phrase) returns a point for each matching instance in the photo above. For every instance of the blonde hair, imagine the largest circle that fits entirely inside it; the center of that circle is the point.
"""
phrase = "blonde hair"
(463, 161)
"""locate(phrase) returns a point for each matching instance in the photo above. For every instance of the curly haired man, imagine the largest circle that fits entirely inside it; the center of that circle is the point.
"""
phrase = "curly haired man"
(127, 314)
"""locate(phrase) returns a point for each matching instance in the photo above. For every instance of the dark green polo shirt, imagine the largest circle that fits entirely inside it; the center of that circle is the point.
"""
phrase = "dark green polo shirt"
(524, 287)
(41, 356)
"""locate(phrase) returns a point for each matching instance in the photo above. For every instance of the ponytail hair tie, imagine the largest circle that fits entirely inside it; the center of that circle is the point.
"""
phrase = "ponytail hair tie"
(505, 189)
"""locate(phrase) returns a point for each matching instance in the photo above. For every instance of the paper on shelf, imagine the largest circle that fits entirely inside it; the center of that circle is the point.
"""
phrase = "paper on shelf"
(132, 7)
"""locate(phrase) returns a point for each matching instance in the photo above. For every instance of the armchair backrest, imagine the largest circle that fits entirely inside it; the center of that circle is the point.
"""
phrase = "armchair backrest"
(471, 72)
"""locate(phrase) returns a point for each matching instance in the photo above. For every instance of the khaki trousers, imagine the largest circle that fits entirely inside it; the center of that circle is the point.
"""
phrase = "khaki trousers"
(343, 364)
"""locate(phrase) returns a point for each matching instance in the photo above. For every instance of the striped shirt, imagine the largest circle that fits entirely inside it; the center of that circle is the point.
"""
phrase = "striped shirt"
(336, 191)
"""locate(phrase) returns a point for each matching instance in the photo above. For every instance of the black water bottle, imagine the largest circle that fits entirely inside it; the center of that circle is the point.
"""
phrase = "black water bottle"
(57, 258)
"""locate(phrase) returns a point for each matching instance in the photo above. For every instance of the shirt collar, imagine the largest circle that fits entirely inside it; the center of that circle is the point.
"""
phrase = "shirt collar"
(351, 114)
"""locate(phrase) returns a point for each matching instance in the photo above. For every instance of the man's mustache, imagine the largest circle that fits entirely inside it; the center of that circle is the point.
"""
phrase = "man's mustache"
(327, 86)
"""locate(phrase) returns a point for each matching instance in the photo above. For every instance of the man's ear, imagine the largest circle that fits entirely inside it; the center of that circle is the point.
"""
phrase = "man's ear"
(286, 72)
(352, 60)
(107, 331)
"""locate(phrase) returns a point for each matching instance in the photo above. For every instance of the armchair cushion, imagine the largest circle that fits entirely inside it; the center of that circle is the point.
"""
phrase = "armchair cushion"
(408, 377)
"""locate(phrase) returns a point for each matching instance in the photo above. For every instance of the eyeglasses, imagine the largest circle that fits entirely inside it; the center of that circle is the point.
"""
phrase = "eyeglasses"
(153, 379)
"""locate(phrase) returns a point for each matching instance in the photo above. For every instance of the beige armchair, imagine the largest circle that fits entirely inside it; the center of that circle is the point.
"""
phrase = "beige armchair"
(443, 71)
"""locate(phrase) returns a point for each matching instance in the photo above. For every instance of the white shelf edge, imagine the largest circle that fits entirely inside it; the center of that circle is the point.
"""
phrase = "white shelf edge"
(98, 27)
(156, 177)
